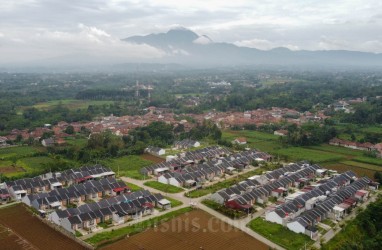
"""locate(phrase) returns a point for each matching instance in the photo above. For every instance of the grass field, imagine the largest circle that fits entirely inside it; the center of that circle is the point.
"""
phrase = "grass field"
(369, 160)
(71, 104)
(128, 165)
(163, 187)
(279, 234)
(174, 203)
(299, 153)
(18, 152)
(111, 236)
(133, 187)
(362, 165)
(34, 163)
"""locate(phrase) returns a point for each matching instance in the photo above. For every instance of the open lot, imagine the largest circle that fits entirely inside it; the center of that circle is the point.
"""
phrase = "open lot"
(70, 104)
(279, 234)
(19, 229)
(128, 165)
(194, 230)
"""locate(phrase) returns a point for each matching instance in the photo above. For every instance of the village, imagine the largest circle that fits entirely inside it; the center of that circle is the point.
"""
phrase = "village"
(304, 198)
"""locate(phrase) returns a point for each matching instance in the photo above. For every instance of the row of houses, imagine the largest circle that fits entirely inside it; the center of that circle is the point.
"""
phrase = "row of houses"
(92, 190)
(194, 175)
(367, 146)
(307, 198)
(334, 207)
(258, 189)
(18, 189)
(181, 160)
(186, 144)
(114, 210)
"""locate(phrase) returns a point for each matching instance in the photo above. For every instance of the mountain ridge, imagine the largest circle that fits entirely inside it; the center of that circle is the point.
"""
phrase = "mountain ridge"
(210, 53)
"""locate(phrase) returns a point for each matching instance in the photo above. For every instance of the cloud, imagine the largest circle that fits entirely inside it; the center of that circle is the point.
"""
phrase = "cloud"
(87, 43)
(263, 44)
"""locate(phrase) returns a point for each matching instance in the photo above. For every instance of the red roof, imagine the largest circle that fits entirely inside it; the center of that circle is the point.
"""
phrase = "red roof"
(119, 189)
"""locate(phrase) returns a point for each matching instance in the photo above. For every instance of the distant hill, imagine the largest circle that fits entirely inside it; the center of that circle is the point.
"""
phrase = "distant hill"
(184, 46)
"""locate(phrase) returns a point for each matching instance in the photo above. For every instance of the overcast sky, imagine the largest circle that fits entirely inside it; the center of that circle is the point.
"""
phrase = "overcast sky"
(36, 29)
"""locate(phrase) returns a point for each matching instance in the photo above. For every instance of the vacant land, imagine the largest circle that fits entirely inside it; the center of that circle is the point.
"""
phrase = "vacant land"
(18, 152)
(114, 235)
(299, 153)
(279, 234)
(128, 165)
(163, 187)
(194, 230)
(153, 158)
(24, 229)
(70, 104)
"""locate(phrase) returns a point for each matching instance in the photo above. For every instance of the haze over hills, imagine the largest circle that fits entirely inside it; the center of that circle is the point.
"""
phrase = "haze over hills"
(178, 49)
(186, 47)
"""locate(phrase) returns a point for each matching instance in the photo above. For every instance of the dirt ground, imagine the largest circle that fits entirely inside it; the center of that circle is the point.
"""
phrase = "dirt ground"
(11, 169)
(152, 158)
(19, 229)
(193, 231)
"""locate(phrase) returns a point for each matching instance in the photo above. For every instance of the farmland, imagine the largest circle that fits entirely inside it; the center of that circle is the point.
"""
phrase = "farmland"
(71, 104)
(338, 158)
(193, 230)
(28, 232)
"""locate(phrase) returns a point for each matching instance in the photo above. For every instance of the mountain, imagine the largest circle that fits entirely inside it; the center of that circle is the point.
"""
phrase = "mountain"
(186, 47)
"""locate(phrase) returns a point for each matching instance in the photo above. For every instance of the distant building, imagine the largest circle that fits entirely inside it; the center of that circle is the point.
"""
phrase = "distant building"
(155, 150)
(49, 142)
(240, 140)
(186, 144)
(281, 132)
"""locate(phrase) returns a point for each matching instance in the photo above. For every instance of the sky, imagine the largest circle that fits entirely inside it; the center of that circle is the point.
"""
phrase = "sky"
(33, 30)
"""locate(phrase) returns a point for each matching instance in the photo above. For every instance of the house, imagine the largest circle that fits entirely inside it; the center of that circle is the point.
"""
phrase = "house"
(3, 141)
(240, 140)
(237, 205)
(49, 142)
(164, 204)
(155, 150)
(17, 192)
(4, 195)
(186, 144)
(278, 216)
(361, 195)
(281, 132)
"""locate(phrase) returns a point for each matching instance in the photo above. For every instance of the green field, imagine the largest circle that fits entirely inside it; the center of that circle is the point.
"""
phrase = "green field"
(114, 235)
(279, 234)
(372, 129)
(369, 160)
(34, 163)
(299, 153)
(163, 187)
(133, 187)
(70, 103)
(174, 203)
(78, 142)
(362, 165)
(18, 152)
(339, 158)
(127, 165)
